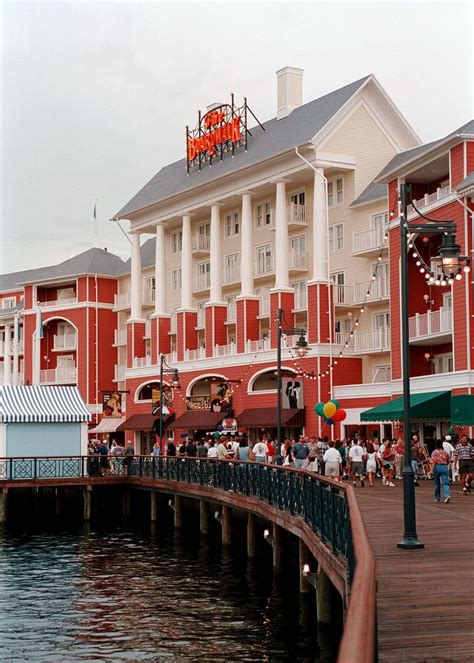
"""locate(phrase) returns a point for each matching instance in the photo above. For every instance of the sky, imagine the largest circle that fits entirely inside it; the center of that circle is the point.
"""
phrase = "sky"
(96, 95)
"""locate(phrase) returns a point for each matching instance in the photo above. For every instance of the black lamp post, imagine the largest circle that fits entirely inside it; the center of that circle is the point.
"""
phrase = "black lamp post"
(164, 368)
(452, 265)
(301, 350)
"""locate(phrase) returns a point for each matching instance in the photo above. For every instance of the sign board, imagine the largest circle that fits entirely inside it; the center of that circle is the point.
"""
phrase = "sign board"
(155, 399)
(229, 426)
(111, 404)
(292, 393)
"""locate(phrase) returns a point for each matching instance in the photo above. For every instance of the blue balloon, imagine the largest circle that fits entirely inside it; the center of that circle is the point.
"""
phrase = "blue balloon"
(329, 422)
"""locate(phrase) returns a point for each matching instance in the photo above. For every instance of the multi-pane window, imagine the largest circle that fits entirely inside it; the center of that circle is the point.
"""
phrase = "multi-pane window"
(231, 267)
(339, 191)
(381, 270)
(264, 255)
(9, 302)
(176, 279)
(231, 308)
(301, 289)
(443, 363)
(298, 198)
(336, 237)
(380, 221)
(335, 192)
(263, 215)
(338, 279)
(381, 320)
(231, 224)
(176, 242)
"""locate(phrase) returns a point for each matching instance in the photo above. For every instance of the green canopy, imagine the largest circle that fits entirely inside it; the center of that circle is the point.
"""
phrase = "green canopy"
(462, 410)
(434, 405)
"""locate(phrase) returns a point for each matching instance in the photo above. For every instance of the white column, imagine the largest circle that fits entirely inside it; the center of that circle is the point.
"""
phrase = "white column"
(16, 343)
(320, 229)
(186, 265)
(246, 247)
(281, 237)
(7, 348)
(136, 279)
(160, 270)
(216, 256)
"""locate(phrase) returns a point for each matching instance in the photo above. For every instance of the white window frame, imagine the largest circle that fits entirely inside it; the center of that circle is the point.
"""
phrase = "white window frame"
(443, 358)
(176, 279)
(300, 285)
(207, 227)
(297, 238)
(235, 254)
(332, 277)
(201, 264)
(177, 241)
(232, 224)
(264, 246)
(386, 324)
(374, 226)
(335, 237)
(266, 206)
(334, 193)
(9, 302)
(447, 300)
(376, 267)
(297, 193)
(65, 293)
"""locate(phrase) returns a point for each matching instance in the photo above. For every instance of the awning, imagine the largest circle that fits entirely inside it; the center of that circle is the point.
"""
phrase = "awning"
(41, 403)
(267, 416)
(433, 405)
(198, 420)
(107, 425)
(138, 422)
(462, 410)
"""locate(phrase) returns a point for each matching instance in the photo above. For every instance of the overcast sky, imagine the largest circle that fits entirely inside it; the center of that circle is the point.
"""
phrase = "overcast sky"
(95, 96)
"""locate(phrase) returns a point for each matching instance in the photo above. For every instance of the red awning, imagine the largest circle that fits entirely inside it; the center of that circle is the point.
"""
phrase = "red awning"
(138, 422)
(267, 416)
(198, 420)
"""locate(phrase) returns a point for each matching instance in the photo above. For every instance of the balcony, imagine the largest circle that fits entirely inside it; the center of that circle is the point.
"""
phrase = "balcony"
(251, 347)
(296, 216)
(171, 357)
(433, 326)
(381, 374)
(371, 291)
(297, 260)
(119, 373)
(60, 375)
(341, 338)
(148, 296)
(231, 312)
(147, 328)
(231, 274)
(301, 300)
(225, 350)
(201, 318)
(343, 295)
(64, 342)
(66, 301)
(174, 321)
(120, 337)
(264, 306)
(193, 355)
(2, 346)
(142, 362)
(369, 242)
(430, 199)
(202, 282)
(264, 266)
(369, 342)
(122, 301)
(201, 245)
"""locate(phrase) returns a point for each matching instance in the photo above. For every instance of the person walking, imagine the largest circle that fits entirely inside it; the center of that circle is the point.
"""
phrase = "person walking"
(371, 466)
(170, 447)
(321, 448)
(301, 452)
(129, 454)
(464, 459)
(439, 467)
(399, 456)
(260, 452)
(356, 460)
(388, 460)
(201, 449)
(104, 461)
(332, 462)
(243, 452)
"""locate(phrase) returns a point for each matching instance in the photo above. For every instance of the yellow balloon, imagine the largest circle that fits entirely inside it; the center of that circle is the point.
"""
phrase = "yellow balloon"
(329, 409)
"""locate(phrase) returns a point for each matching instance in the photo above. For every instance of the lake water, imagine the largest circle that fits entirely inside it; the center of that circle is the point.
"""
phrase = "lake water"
(117, 593)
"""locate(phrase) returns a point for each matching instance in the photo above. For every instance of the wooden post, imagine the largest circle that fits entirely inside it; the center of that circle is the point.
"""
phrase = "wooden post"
(3, 506)
(204, 517)
(178, 511)
(324, 598)
(277, 547)
(126, 502)
(58, 502)
(305, 558)
(154, 506)
(87, 502)
(251, 535)
(226, 525)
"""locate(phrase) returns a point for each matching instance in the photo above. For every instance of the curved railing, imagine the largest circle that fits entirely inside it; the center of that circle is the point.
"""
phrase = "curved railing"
(327, 507)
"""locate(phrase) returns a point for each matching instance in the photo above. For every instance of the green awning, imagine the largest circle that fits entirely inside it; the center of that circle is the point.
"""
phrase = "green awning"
(462, 410)
(434, 405)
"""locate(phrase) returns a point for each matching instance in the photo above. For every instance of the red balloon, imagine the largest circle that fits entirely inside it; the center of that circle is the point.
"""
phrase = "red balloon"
(339, 415)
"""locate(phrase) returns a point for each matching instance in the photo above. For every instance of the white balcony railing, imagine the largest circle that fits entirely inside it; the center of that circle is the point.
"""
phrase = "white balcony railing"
(192, 355)
(59, 302)
(430, 198)
(231, 312)
(297, 259)
(341, 338)
(377, 340)
(148, 296)
(202, 281)
(369, 240)
(231, 274)
(60, 375)
(381, 374)
(297, 214)
(431, 324)
(65, 342)
(251, 347)
(369, 291)
(119, 373)
(343, 294)
(142, 362)
(264, 265)
(120, 337)
(171, 357)
(301, 299)
(201, 243)
(122, 300)
(225, 350)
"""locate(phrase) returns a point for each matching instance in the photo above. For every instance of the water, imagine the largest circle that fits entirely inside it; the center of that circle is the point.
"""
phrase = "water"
(114, 593)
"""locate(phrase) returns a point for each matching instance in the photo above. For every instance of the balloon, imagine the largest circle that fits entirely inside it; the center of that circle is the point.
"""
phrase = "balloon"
(329, 409)
(329, 422)
(319, 409)
(340, 415)
(217, 434)
(336, 403)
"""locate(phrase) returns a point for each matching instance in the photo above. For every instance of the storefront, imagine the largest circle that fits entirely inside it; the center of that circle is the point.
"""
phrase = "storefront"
(264, 420)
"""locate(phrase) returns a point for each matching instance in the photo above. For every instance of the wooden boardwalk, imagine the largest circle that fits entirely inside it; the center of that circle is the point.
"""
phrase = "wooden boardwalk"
(425, 598)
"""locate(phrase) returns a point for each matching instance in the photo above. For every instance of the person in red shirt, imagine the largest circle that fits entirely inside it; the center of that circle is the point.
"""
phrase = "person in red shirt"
(439, 467)
(388, 460)
(271, 452)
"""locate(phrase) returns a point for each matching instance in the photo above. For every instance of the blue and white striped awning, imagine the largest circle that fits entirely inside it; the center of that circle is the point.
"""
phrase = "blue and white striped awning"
(41, 403)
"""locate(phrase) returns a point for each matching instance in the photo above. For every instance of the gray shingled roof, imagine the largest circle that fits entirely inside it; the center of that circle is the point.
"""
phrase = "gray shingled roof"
(467, 182)
(404, 157)
(93, 261)
(375, 191)
(147, 251)
(279, 136)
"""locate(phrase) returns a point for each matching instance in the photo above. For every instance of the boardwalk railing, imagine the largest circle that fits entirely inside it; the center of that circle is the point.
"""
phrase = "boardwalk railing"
(329, 508)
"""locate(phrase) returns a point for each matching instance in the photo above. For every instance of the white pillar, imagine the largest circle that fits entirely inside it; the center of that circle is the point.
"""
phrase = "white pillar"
(186, 264)
(136, 279)
(281, 237)
(320, 230)
(16, 348)
(216, 256)
(160, 270)
(36, 352)
(246, 247)
(7, 348)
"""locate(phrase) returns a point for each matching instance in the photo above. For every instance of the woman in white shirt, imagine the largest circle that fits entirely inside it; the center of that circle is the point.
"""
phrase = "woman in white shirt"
(371, 467)
(332, 462)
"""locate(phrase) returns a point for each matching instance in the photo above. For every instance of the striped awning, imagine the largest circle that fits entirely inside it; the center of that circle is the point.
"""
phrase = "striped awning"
(41, 403)
(107, 425)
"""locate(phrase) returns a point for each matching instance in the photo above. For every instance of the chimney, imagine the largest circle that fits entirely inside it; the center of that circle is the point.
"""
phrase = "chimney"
(290, 90)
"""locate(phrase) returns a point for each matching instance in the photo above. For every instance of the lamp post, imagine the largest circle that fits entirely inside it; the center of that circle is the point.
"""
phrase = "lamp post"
(164, 368)
(451, 264)
(301, 350)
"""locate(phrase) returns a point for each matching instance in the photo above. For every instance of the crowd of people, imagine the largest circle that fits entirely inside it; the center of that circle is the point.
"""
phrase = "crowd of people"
(358, 460)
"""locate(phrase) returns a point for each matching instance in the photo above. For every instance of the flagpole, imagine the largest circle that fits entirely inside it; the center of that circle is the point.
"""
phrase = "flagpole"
(96, 226)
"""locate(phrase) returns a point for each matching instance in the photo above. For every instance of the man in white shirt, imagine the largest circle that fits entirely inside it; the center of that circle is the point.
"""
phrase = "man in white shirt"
(356, 459)
(260, 451)
(332, 462)
(448, 447)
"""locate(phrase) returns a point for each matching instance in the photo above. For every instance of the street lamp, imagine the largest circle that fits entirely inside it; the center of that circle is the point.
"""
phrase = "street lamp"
(164, 368)
(301, 349)
(452, 265)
